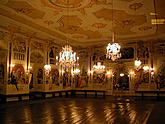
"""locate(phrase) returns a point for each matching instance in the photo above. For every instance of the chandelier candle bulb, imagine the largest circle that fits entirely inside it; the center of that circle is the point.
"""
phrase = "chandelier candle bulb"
(67, 57)
(99, 68)
(138, 63)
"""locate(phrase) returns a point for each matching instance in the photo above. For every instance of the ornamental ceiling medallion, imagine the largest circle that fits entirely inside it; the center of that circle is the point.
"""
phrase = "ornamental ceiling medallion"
(99, 25)
(145, 28)
(74, 5)
(136, 6)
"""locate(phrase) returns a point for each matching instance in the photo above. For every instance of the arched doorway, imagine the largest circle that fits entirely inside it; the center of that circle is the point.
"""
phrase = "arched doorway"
(120, 77)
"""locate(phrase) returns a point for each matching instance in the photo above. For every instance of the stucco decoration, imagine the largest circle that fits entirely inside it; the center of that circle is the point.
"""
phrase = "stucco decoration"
(87, 22)
(36, 57)
(25, 8)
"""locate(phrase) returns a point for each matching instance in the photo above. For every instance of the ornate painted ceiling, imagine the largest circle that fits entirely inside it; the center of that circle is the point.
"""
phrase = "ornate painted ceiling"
(83, 22)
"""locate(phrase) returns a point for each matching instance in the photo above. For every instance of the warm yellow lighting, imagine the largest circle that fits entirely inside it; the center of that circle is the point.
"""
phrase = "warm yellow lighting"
(12, 65)
(132, 72)
(152, 73)
(67, 57)
(76, 71)
(152, 69)
(146, 68)
(137, 63)
(121, 74)
(157, 21)
(99, 68)
(109, 72)
(47, 68)
(113, 51)
(90, 72)
(62, 71)
(153, 14)
(29, 68)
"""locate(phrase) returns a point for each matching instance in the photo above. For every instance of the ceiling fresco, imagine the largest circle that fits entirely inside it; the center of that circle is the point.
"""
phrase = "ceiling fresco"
(82, 22)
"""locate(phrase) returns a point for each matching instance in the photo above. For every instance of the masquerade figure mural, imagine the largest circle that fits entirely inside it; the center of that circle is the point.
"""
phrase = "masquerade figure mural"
(1, 73)
(55, 76)
(18, 75)
(40, 76)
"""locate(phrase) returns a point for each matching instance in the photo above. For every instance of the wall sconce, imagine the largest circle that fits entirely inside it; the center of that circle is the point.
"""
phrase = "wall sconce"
(30, 68)
(109, 74)
(76, 71)
(152, 70)
(12, 65)
(146, 68)
(90, 72)
(47, 68)
(121, 74)
(99, 68)
(132, 72)
(137, 64)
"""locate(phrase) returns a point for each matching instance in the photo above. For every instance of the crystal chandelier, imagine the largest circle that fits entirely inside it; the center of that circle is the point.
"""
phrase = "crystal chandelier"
(47, 68)
(138, 63)
(67, 58)
(98, 68)
(76, 71)
(113, 50)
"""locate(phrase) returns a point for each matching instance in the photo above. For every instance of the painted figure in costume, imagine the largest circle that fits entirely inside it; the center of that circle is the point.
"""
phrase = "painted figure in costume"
(40, 76)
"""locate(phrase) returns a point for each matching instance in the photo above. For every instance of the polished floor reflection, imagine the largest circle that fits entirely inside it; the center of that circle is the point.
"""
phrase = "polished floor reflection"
(78, 111)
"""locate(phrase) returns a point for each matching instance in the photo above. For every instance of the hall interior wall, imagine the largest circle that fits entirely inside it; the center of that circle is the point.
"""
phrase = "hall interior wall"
(15, 57)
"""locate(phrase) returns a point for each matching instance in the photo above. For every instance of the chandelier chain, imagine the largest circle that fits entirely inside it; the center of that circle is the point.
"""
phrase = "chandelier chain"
(68, 58)
(113, 50)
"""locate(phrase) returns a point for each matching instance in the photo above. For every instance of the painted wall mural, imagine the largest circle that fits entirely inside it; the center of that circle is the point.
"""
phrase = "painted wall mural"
(18, 73)
(36, 57)
(160, 78)
(127, 53)
(36, 46)
(160, 48)
(40, 76)
(1, 73)
(3, 65)
(99, 54)
(19, 48)
(99, 78)
(55, 76)
(66, 79)
(142, 50)
(3, 55)
(53, 52)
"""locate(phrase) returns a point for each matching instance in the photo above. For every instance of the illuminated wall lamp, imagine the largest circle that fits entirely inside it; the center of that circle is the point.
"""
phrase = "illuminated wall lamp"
(121, 74)
(146, 68)
(109, 74)
(137, 63)
(132, 72)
